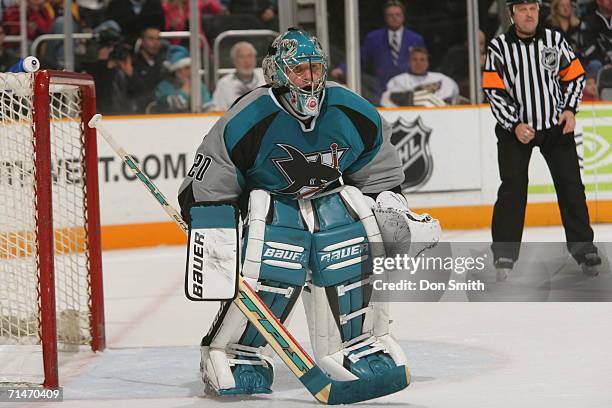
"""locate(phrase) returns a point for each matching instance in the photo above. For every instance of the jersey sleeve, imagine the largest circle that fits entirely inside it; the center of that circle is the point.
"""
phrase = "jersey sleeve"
(449, 91)
(502, 105)
(378, 168)
(399, 83)
(213, 176)
(572, 77)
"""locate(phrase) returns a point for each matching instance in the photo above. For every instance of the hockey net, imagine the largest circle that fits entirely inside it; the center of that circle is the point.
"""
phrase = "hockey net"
(50, 267)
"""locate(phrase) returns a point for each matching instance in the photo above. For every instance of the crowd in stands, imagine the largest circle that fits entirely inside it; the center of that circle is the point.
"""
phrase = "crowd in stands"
(246, 77)
(394, 77)
(8, 57)
(415, 53)
(419, 86)
(135, 70)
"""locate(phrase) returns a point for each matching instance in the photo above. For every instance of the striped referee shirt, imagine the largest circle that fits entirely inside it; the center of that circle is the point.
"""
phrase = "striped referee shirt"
(532, 80)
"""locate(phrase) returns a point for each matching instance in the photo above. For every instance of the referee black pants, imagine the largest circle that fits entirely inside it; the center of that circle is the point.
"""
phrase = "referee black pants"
(559, 151)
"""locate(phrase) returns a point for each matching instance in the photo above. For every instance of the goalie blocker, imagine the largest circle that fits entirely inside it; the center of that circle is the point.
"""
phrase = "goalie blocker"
(213, 263)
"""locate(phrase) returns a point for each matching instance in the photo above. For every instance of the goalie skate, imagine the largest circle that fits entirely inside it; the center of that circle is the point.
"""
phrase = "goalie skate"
(223, 375)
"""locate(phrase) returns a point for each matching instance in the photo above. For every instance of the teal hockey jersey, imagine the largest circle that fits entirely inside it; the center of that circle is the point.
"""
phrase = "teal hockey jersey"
(258, 144)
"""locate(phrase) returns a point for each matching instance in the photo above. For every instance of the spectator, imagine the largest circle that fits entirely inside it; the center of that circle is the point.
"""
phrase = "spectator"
(39, 18)
(58, 8)
(176, 14)
(91, 13)
(148, 67)
(590, 92)
(563, 19)
(596, 43)
(246, 78)
(133, 16)
(8, 58)
(86, 15)
(265, 10)
(113, 72)
(585, 7)
(53, 52)
(419, 86)
(174, 94)
(456, 65)
(384, 52)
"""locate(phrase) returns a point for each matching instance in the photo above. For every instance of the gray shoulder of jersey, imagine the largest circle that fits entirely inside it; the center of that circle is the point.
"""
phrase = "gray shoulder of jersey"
(382, 167)
(242, 102)
(214, 177)
(384, 171)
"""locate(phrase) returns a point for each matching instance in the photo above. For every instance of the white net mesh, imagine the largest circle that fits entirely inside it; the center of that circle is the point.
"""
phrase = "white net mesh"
(18, 263)
(71, 263)
(19, 280)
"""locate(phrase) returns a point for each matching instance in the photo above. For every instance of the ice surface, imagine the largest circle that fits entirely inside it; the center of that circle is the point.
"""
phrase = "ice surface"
(461, 354)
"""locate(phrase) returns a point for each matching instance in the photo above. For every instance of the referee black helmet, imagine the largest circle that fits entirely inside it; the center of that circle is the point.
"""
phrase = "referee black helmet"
(512, 3)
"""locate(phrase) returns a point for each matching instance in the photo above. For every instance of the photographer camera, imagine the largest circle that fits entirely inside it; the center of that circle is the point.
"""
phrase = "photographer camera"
(113, 72)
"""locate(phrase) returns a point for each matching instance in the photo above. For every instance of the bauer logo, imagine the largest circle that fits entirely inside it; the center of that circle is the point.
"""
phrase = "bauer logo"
(411, 139)
(347, 252)
(283, 254)
(197, 264)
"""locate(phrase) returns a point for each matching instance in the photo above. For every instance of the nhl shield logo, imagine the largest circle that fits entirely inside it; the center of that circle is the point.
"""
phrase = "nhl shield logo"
(550, 58)
(411, 139)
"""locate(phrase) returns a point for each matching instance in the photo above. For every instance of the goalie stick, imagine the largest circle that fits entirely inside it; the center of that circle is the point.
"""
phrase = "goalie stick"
(323, 388)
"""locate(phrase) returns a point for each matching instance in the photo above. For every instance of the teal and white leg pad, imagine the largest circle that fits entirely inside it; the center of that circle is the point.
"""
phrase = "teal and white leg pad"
(325, 241)
(349, 333)
(274, 261)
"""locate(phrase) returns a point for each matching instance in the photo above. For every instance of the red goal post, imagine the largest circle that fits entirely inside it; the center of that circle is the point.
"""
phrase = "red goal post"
(49, 220)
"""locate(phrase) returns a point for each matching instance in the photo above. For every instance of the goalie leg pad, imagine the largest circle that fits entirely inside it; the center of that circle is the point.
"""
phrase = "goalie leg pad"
(349, 333)
(229, 366)
(276, 253)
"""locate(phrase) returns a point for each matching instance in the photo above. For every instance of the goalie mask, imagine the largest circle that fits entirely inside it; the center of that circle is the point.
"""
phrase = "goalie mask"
(295, 61)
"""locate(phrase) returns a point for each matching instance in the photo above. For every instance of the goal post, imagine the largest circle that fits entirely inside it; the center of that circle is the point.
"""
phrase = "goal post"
(51, 293)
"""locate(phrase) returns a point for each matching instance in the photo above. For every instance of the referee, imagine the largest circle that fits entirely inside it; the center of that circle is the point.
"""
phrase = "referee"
(534, 83)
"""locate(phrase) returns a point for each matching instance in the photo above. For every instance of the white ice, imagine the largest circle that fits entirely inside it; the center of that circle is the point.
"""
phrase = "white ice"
(461, 354)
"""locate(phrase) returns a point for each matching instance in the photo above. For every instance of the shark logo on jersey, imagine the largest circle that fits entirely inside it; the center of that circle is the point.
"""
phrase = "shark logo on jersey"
(308, 174)
(411, 139)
